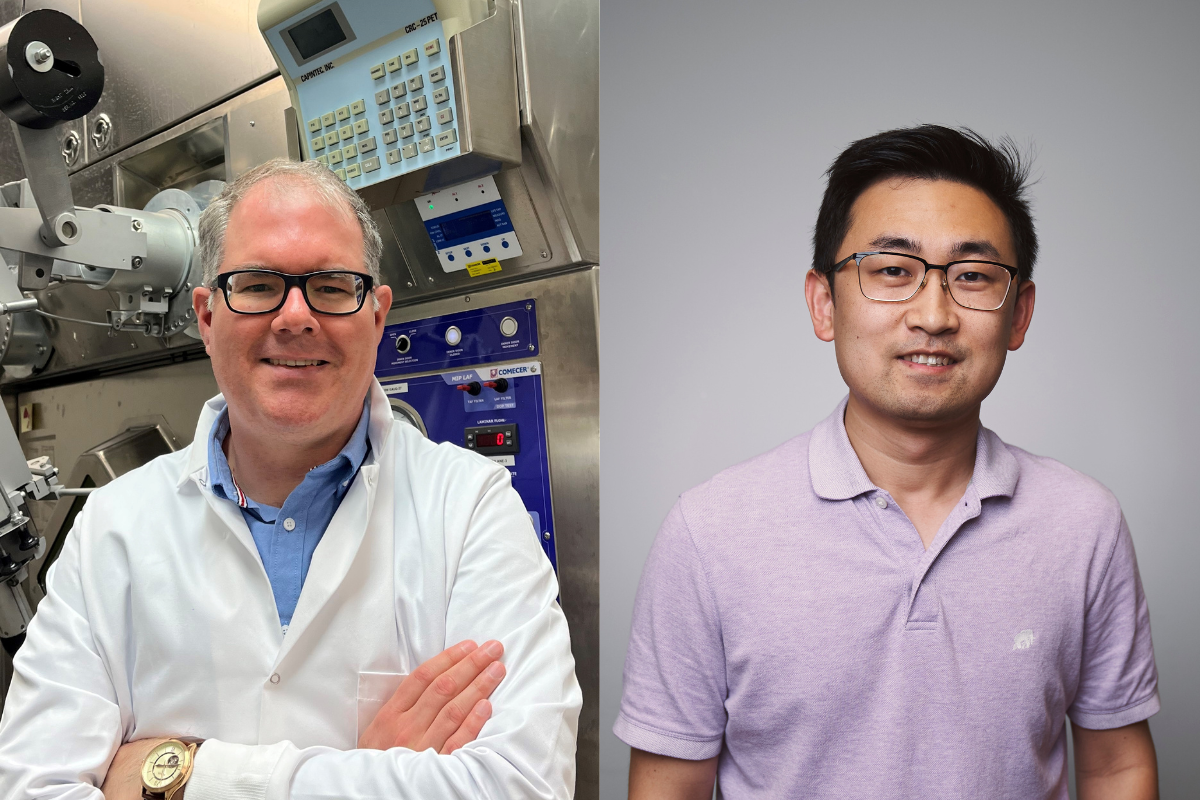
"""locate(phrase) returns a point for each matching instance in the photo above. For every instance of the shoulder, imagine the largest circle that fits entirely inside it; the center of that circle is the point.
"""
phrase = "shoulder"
(1051, 486)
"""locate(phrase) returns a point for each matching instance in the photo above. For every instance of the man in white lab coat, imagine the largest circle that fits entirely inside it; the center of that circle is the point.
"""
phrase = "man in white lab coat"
(265, 591)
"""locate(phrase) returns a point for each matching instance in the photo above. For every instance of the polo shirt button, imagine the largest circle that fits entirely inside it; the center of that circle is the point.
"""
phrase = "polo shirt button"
(290, 524)
(275, 678)
(879, 501)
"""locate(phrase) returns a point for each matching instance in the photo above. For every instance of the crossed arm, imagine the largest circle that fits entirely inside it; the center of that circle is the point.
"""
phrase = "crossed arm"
(1116, 764)
(442, 706)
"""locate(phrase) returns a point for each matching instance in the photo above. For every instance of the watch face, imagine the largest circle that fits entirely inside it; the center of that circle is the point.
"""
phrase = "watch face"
(164, 765)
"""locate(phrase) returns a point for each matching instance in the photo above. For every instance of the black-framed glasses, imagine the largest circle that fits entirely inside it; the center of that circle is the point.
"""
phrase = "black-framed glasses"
(896, 277)
(261, 291)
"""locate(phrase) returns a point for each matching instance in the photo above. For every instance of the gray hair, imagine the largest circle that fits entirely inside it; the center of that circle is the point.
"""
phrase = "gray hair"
(329, 188)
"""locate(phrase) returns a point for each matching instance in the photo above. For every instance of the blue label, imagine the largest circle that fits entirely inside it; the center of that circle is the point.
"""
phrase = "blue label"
(478, 340)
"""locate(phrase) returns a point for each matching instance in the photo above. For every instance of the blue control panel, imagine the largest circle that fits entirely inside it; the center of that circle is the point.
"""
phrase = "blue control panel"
(372, 84)
(479, 397)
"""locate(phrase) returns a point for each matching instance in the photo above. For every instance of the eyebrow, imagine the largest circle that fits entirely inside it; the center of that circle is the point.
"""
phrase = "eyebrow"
(971, 247)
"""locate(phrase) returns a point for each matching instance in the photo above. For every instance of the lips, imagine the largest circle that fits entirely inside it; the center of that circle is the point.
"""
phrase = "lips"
(930, 359)
(295, 362)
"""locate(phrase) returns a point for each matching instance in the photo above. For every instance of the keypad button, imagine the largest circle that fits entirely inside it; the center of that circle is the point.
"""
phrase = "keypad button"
(331, 138)
(393, 156)
(314, 125)
(441, 95)
(423, 124)
(361, 126)
(445, 115)
(390, 136)
(378, 71)
(335, 156)
(366, 145)
(328, 120)
(416, 83)
(350, 150)
(346, 132)
(420, 103)
(343, 113)
(371, 164)
(386, 117)
(318, 143)
(410, 57)
(399, 90)
(353, 170)
(341, 173)
(358, 107)
(433, 48)
(324, 160)
(393, 64)
(447, 137)
(409, 151)
(437, 74)
(426, 144)
(406, 130)
(402, 110)
(382, 97)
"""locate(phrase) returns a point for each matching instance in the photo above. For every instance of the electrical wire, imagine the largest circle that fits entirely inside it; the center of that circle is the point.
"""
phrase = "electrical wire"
(72, 319)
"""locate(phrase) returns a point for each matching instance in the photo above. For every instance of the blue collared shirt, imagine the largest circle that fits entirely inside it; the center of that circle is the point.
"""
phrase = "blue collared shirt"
(287, 537)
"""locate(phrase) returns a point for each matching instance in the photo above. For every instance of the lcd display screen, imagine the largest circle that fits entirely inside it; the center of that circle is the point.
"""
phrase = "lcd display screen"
(317, 34)
(467, 227)
(489, 440)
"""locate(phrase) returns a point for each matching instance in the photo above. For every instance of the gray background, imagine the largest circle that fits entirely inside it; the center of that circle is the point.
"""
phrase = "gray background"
(718, 120)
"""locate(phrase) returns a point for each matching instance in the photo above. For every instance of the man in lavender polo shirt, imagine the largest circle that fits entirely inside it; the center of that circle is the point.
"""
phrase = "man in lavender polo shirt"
(898, 604)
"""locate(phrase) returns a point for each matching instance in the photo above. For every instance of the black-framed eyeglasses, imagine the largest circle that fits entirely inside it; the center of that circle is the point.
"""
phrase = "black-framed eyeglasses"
(261, 291)
(896, 277)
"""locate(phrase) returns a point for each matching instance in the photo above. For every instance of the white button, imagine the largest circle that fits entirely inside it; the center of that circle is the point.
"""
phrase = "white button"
(275, 678)
(453, 335)
(879, 501)
(290, 524)
(508, 326)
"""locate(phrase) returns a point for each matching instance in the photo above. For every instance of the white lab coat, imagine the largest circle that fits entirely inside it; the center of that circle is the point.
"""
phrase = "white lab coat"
(160, 621)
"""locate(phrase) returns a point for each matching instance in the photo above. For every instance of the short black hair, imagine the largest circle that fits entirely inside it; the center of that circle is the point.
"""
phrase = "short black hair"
(929, 152)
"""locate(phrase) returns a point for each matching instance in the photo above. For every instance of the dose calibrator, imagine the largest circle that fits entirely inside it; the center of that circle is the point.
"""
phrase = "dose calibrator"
(454, 378)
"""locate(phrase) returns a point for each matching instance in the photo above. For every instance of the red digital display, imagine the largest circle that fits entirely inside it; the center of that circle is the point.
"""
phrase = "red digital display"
(489, 440)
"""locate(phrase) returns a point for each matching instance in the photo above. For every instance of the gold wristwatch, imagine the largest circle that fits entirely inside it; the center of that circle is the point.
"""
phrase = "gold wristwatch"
(167, 768)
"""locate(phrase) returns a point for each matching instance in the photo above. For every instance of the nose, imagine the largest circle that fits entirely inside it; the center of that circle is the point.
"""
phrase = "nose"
(295, 316)
(932, 309)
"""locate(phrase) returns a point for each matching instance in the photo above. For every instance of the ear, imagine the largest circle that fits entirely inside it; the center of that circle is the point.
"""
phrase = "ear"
(820, 304)
(204, 314)
(1022, 314)
(383, 293)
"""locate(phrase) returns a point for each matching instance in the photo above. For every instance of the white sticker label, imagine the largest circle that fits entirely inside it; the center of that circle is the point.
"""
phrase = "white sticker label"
(395, 388)
(505, 461)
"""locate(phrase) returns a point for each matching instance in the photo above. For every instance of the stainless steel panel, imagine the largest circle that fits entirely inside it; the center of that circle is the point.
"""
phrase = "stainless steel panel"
(558, 76)
(167, 59)
(567, 327)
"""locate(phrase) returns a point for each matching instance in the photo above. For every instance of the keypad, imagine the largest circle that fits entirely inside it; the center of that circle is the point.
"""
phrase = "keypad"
(393, 64)
(341, 173)
(382, 97)
(399, 90)
(447, 137)
(437, 74)
(409, 151)
(420, 103)
(426, 144)
(378, 71)
(406, 130)
(318, 143)
(346, 132)
(445, 115)
(410, 57)
(314, 125)
(416, 83)
(390, 136)
(323, 160)
(361, 126)
(353, 170)
(331, 138)
(328, 120)
(371, 164)
(393, 156)
(366, 145)
(433, 48)
(358, 107)
(441, 95)
(335, 156)
(402, 110)
(386, 116)
(423, 124)
(343, 113)
(350, 150)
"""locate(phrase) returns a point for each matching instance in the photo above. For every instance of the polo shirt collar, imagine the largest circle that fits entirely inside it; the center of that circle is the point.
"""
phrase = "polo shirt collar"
(837, 474)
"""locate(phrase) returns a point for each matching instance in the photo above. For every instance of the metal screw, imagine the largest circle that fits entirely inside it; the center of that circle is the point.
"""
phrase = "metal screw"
(545, 254)
(408, 284)
(529, 306)
(530, 347)
(137, 262)
(251, 123)
(546, 535)
(42, 55)
(467, 299)
(431, 279)
(137, 224)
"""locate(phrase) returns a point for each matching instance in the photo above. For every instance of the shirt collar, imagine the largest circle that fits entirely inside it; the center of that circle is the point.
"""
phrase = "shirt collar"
(837, 474)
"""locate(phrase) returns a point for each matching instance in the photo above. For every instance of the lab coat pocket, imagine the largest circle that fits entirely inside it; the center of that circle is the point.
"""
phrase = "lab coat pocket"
(374, 689)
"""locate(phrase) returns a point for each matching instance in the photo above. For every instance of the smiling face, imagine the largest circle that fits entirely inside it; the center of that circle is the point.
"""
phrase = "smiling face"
(292, 373)
(926, 359)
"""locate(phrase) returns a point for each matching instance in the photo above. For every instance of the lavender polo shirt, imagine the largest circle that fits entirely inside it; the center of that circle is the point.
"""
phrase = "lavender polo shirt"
(790, 620)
